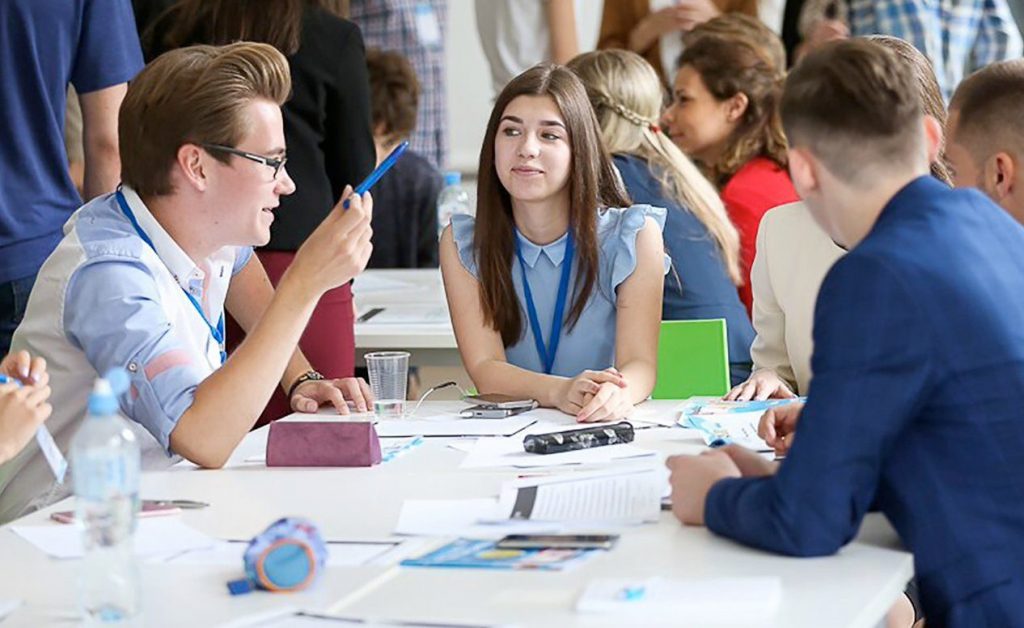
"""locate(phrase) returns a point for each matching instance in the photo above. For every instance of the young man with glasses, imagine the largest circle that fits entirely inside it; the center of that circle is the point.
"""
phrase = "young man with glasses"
(143, 276)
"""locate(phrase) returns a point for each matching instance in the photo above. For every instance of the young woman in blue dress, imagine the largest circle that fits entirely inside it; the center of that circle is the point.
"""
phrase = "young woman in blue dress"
(555, 286)
(626, 94)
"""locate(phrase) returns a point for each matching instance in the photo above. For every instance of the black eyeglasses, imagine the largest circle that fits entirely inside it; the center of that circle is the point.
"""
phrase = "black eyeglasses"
(271, 162)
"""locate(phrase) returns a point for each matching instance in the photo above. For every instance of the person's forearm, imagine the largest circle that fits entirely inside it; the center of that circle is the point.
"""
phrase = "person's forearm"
(102, 170)
(642, 37)
(227, 403)
(639, 376)
(248, 297)
(561, 16)
(498, 376)
(99, 140)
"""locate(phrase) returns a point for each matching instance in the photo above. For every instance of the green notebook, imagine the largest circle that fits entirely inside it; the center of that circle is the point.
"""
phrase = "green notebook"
(693, 359)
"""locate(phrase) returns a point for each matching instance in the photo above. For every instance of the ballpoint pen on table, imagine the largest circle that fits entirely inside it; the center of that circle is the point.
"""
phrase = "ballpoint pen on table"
(184, 504)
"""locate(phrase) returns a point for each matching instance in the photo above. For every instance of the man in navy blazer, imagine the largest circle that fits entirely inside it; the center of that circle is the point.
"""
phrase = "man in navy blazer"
(916, 405)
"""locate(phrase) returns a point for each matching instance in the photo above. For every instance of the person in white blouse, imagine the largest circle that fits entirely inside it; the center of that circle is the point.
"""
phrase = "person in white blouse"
(793, 256)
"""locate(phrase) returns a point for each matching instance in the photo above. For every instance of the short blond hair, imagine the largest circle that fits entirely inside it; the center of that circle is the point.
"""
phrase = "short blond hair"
(193, 95)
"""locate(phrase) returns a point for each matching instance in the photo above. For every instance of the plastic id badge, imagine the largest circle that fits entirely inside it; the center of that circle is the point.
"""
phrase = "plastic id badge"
(428, 29)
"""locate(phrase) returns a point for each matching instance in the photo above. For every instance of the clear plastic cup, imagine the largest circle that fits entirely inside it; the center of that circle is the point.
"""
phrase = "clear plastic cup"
(389, 375)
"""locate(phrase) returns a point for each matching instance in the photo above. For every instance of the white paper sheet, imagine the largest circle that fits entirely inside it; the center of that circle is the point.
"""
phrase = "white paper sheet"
(463, 518)
(229, 553)
(406, 315)
(153, 536)
(7, 607)
(509, 452)
(628, 496)
(369, 283)
(448, 426)
(699, 600)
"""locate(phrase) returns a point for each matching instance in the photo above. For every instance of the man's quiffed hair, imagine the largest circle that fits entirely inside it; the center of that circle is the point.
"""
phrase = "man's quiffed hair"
(856, 106)
(394, 93)
(193, 95)
(990, 108)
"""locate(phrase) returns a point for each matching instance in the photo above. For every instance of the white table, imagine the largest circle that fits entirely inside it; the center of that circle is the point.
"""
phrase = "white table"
(853, 588)
(397, 289)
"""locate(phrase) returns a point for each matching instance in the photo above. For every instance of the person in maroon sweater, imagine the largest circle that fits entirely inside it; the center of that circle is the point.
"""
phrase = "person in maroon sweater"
(724, 114)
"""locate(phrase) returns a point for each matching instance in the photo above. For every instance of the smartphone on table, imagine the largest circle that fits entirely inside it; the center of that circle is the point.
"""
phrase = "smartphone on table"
(495, 406)
(558, 541)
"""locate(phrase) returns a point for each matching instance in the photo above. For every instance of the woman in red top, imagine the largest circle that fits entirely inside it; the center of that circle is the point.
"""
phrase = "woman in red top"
(724, 114)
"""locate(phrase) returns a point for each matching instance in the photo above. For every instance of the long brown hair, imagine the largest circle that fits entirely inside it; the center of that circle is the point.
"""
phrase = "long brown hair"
(593, 184)
(218, 22)
(626, 94)
(928, 85)
(738, 54)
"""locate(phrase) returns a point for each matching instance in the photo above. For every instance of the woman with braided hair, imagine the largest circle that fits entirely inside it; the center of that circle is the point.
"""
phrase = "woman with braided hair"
(626, 94)
(724, 114)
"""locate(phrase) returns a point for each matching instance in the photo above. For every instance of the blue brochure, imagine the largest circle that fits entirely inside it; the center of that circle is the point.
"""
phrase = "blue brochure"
(472, 554)
(715, 405)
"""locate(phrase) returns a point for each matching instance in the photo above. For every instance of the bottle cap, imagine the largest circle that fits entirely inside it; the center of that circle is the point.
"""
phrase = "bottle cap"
(103, 400)
(452, 178)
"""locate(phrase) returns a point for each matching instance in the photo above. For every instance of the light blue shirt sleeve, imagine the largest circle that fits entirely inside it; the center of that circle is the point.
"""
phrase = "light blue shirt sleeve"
(242, 257)
(618, 230)
(113, 314)
(463, 230)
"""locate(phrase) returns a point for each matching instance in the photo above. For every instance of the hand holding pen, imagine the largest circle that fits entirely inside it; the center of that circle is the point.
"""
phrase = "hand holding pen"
(340, 247)
(22, 408)
(26, 369)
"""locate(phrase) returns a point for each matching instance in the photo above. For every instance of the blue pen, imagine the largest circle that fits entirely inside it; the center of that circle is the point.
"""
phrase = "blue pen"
(394, 453)
(54, 457)
(380, 170)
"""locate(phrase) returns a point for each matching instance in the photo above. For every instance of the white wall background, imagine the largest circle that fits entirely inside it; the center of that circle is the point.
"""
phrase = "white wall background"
(469, 78)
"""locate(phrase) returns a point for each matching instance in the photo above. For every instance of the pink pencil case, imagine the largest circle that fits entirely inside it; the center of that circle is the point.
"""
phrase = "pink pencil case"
(322, 444)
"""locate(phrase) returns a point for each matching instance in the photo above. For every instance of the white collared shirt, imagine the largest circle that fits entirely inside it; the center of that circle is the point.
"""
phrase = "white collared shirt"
(104, 299)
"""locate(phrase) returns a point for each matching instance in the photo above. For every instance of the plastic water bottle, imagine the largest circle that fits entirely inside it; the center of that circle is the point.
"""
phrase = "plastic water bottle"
(105, 462)
(453, 199)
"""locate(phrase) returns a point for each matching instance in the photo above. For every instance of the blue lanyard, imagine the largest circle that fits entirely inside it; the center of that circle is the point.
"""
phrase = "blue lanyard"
(547, 351)
(218, 331)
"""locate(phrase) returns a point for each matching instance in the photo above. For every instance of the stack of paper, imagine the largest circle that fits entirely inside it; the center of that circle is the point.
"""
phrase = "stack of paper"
(624, 497)
(543, 505)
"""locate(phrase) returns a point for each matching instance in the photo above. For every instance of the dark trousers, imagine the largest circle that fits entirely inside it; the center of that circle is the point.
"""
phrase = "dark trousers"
(13, 299)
